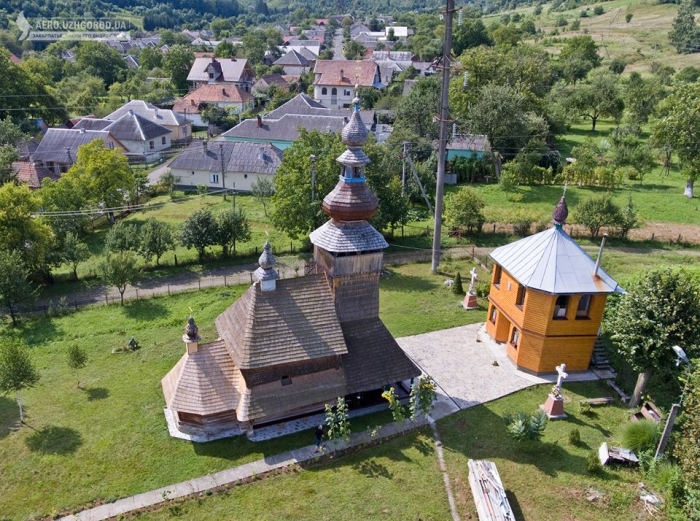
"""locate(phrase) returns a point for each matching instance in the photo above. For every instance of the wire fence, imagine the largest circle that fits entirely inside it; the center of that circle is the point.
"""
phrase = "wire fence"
(147, 289)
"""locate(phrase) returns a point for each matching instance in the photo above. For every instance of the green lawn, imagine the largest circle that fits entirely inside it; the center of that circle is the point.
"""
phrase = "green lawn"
(546, 480)
(396, 480)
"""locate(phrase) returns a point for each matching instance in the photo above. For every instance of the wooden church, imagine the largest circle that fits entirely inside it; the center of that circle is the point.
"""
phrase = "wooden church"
(546, 299)
(288, 347)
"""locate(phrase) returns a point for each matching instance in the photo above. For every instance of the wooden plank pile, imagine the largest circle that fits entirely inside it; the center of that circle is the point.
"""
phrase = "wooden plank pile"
(489, 494)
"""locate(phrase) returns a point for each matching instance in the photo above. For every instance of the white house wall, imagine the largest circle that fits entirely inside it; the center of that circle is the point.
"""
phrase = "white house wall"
(192, 178)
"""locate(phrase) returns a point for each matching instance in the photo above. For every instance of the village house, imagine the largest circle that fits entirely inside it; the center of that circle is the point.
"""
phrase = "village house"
(229, 97)
(280, 81)
(335, 80)
(180, 129)
(303, 105)
(225, 164)
(31, 174)
(58, 149)
(547, 299)
(281, 132)
(222, 71)
(295, 63)
(285, 348)
(142, 139)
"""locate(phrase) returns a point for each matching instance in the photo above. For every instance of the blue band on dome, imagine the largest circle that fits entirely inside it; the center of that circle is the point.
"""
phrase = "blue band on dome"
(352, 179)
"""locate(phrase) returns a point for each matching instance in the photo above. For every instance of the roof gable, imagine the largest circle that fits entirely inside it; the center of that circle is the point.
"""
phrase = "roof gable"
(132, 127)
(238, 157)
(148, 111)
(346, 72)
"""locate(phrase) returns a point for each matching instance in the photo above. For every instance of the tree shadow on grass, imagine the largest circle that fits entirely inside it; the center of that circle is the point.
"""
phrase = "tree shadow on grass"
(423, 446)
(9, 416)
(54, 440)
(97, 393)
(371, 469)
(145, 309)
(400, 282)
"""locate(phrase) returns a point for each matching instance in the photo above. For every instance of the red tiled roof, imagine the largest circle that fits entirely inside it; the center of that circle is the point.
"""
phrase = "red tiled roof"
(15, 59)
(31, 174)
(353, 72)
(210, 94)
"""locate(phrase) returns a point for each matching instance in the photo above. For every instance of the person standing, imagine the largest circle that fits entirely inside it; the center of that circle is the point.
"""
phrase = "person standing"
(319, 438)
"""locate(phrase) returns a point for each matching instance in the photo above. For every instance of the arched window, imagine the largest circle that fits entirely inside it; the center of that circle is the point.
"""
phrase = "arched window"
(561, 306)
(334, 91)
(584, 307)
(324, 91)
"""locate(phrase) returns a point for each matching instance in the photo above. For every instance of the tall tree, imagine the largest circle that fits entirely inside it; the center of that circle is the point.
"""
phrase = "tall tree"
(232, 226)
(685, 35)
(17, 372)
(465, 209)
(661, 309)
(578, 57)
(686, 448)
(641, 95)
(677, 127)
(177, 62)
(157, 238)
(415, 115)
(199, 231)
(123, 237)
(21, 232)
(101, 60)
(15, 287)
(295, 211)
(8, 154)
(77, 358)
(102, 174)
(119, 270)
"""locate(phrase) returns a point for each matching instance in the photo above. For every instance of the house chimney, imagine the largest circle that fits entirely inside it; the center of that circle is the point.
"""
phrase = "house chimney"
(341, 74)
(600, 256)
(223, 91)
(131, 112)
(156, 111)
(261, 153)
(191, 102)
(82, 130)
(259, 121)
(204, 146)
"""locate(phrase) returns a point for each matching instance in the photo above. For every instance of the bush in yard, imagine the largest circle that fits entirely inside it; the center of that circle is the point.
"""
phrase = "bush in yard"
(593, 465)
(465, 209)
(575, 437)
(522, 426)
(598, 10)
(457, 287)
(596, 212)
(640, 436)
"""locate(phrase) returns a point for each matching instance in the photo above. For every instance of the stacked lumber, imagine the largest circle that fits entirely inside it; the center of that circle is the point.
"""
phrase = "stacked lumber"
(489, 494)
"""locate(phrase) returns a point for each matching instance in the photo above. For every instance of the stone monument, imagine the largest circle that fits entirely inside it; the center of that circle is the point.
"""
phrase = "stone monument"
(470, 298)
(554, 406)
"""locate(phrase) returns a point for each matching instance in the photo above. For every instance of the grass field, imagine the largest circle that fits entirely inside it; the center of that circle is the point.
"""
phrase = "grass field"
(546, 480)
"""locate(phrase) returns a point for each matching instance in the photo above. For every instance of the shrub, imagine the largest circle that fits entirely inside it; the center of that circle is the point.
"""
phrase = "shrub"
(640, 436)
(596, 212)
(628, 17)
(575, 25)
(465, 209)
(457, 287)
(593, 465)
(575, 437)
(522, 426)
(617, 65)
(598, 10)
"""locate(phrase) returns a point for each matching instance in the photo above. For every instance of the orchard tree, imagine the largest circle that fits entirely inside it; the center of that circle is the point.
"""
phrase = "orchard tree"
(122, 237)
(596, 212)
(15, 288)
(101, 60)
(231, 226)
(465, 209)
(157, 238)
(119, 270)
(77, 358)
(262, 189)
(354, 50)
(685, 35)
(578, 57)
(661, 309)
(73, 252)
(686, 446)
(677, 128)
(17, 372)
(598, 96)
(199, 231)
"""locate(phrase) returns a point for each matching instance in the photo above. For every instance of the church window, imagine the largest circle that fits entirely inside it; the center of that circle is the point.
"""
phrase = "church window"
(584, 307)
(515, 338)
(497, 271)
(520, 297)
(324, 91)
(494, 314)
(561, 306)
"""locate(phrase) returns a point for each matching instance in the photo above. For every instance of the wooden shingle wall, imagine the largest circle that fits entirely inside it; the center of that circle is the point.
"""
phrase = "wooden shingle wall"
(356, 296)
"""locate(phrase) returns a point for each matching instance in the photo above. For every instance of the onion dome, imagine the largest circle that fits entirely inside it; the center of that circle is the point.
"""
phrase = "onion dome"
(267, 263)
(191, 329)
(561, 212)
(351, 199)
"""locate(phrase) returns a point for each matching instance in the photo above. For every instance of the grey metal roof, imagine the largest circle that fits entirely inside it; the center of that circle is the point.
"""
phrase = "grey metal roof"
(347, 237)
(475, 142)
(232, 69)
(150, 112)
(60, 145)
(285, 128)
(92, 124)
(553, 262)
(301, 104)
(132, 127)
(238, 157)
(292, 58)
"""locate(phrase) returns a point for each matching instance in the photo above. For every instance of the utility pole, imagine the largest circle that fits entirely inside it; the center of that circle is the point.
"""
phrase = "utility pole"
(444, 115)
(403, 169)
(223, 174)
